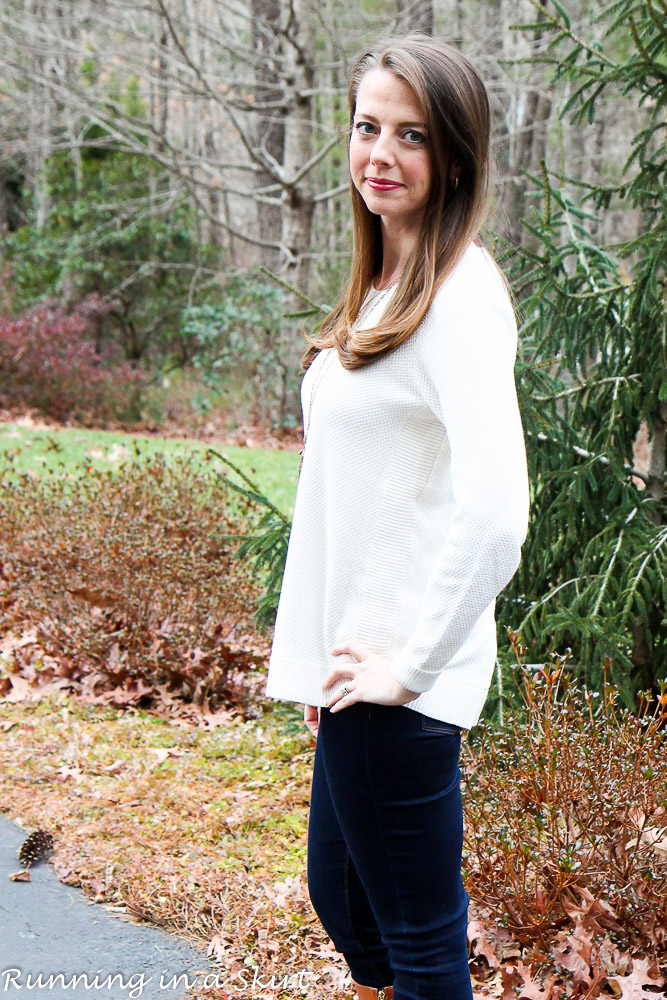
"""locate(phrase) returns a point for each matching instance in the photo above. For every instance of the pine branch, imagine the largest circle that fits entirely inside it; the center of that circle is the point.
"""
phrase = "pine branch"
(295, 291)
(610, 566)
(599, 458)
(581, 388)
(267, 548)
(254, 493)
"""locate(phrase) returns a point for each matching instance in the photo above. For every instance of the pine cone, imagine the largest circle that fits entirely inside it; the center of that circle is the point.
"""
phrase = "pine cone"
(34, 846)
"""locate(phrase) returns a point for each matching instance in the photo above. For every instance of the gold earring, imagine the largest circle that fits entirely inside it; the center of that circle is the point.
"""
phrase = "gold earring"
(456, 182)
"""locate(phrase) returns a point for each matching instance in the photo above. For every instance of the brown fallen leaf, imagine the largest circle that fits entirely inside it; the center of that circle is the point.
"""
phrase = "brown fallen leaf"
(166, 696)
(648, 838)
(509, 982)
(217, 948)
(10, 642)
(163, 752)
(213, 719)
(611, 957)
(20, 690)
(480, 945)
(117, 765)
(591, 912)
(280, 892)
(530, 987)
(66, 771)
(23, 876)
(632, 987)
(23, 690)
(490, 987)
(335, 977)
(574, 953)
(99, 887)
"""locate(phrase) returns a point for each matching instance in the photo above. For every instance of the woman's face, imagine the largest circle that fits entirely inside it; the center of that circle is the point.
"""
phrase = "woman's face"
(390, 159)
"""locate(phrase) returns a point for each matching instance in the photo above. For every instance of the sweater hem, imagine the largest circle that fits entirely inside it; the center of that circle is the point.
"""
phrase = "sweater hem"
(451, 699)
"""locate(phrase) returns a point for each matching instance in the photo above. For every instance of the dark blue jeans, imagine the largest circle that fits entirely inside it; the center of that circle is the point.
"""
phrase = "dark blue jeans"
(385, 837)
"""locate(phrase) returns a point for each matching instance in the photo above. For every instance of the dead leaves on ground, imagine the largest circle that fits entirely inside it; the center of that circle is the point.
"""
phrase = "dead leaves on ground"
(219, 894)
(584, 962)
(28, 674)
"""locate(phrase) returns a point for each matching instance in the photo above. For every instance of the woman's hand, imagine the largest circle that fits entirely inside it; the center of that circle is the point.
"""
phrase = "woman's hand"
(311, 716)
(370, 679)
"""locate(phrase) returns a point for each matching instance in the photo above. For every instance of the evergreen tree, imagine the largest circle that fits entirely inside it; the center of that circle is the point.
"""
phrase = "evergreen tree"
(592, 367)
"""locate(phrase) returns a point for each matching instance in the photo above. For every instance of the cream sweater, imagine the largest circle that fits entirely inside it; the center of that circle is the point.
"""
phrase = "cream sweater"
(411, 507)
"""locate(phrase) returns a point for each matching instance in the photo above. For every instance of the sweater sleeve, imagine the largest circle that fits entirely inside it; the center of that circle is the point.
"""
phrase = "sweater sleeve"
(468, 355)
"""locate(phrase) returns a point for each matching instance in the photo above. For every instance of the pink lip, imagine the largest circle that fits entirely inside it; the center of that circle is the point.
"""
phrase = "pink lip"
(380, 185)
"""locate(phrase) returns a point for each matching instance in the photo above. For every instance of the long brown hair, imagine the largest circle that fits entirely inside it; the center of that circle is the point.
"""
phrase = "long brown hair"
(455, 104)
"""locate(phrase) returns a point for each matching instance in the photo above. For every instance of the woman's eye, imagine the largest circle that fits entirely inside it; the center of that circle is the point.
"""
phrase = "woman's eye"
(364, 128)
(413, 136)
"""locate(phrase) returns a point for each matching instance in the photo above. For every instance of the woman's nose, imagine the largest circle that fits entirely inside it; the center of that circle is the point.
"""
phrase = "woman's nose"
(382, 150)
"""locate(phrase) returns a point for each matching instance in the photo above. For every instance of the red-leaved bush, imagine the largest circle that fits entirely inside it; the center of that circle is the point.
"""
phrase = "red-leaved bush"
(49, 361)
(566, 808)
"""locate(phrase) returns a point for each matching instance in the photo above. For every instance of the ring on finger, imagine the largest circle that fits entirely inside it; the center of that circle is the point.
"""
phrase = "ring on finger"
(346, 689)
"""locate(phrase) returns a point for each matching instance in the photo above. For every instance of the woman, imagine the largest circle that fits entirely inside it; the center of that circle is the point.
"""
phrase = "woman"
(411, 509)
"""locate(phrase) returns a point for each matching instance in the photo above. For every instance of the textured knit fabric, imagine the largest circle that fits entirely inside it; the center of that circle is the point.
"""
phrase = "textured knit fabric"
(412, 505)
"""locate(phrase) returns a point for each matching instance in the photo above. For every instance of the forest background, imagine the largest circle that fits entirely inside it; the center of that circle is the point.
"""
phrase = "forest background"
(174, 198)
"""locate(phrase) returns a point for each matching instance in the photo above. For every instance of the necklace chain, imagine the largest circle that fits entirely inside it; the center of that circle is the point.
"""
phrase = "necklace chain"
(316, 381)
(332, 351)
(381, 294)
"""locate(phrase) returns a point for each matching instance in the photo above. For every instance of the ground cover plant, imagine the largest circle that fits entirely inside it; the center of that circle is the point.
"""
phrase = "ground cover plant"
(128, 582)
(199, 831)
(566, 823)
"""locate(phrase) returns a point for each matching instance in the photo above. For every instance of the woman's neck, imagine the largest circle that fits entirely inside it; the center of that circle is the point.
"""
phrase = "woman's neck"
(398, 242)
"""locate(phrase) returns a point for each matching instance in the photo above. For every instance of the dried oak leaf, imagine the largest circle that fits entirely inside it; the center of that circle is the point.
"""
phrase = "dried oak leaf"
(480, 945)
(592, 913)
(492, 987)
(573, 952)
(162, 753)
(631, 987)
(530, 987)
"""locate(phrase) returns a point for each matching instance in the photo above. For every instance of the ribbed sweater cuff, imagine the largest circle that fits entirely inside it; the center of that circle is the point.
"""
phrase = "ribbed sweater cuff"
(412, 678)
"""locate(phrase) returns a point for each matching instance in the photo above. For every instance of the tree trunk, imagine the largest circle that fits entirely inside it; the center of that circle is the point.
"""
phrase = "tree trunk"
(4, 205)
(297, 197)
(656, 466)
(531, 109)
(270, 126)
(529, 147)
(41, 120)
(642, 653)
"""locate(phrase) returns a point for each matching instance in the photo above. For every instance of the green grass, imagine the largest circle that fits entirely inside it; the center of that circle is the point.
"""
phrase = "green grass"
(74, 451)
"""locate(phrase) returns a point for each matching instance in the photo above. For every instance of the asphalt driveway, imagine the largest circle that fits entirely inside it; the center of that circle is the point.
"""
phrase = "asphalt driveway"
(78, 947)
